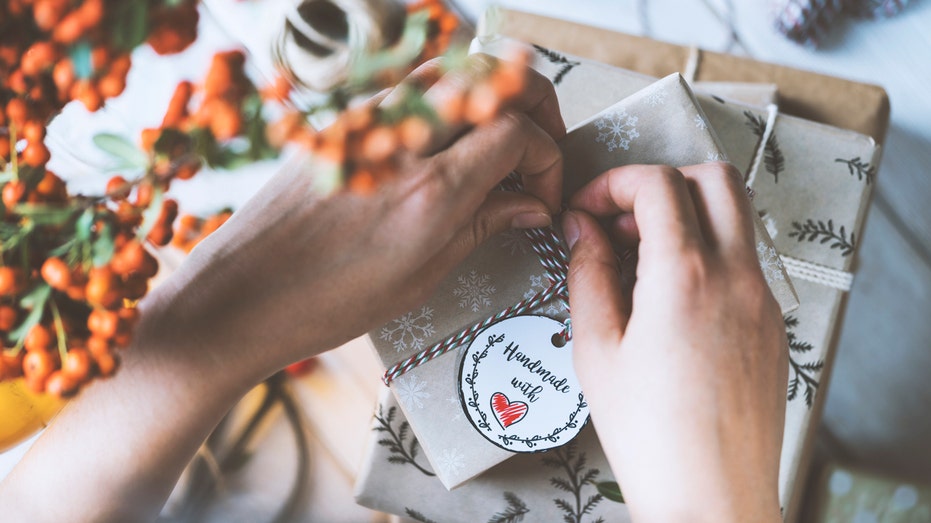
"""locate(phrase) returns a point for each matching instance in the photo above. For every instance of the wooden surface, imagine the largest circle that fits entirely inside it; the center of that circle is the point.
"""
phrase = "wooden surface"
(879, 400)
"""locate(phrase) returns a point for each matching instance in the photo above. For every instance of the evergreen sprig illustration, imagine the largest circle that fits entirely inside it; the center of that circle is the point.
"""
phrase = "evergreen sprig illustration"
(803, 374)
(773, 160)
(417, 516)
(824, 232)
(515, 512)
(577, 476)
(857, 167)
(400, 454)
(558, 59)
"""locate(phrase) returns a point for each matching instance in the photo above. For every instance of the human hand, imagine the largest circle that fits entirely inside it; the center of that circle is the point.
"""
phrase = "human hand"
(686, 372)
(294, 273)
(291, 274)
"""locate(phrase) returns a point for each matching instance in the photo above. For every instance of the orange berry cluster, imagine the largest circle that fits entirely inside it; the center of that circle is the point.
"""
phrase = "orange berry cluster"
(191, 230)
(89, 309)
(68, 289)
(220, 112)
(366, 141)
(172, 25)
(441, 25)
(55, 51)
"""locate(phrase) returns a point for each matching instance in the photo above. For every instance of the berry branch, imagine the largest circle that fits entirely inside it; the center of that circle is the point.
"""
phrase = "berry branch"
(400, 454)
(824, 232)
(773, 160)
(565, 64)
(515, 511)
(73, 268)
(578, 476)
(803, 374)
(862, 170)
(417, 516)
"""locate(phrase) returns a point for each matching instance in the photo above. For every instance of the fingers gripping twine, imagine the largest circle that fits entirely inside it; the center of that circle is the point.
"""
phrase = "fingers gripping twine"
(555, 262)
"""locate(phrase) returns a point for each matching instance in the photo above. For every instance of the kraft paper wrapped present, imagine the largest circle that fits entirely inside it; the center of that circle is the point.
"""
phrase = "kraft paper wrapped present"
(660, 123)
(831, 100)
(542, 487)
(800, 167)
(812, 183)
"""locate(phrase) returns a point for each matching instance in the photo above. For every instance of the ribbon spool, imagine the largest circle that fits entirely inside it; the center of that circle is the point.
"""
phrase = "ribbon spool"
(321, 38)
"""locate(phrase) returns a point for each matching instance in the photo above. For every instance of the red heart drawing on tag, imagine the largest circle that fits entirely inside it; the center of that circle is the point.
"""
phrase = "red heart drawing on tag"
(506, 411)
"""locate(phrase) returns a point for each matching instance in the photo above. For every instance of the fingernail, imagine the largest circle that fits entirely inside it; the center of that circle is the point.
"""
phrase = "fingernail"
(570, 228)
(531, 220)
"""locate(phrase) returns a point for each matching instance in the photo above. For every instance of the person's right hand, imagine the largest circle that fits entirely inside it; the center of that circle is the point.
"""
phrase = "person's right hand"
(685, 372)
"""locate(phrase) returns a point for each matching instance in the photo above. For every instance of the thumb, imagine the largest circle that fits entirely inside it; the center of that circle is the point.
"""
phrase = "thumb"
(599, 311)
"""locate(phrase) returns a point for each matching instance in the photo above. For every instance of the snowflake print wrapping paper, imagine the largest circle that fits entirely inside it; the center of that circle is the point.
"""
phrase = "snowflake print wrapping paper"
(812, 185)
(653, 125)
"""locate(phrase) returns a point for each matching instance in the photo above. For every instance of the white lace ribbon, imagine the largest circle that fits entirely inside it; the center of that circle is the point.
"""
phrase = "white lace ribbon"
(817, 273)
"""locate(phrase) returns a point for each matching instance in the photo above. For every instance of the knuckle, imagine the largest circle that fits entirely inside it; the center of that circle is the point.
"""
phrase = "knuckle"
(669, 176)
(483, 227)
(725, 173)
(694, 269)
(512, 122)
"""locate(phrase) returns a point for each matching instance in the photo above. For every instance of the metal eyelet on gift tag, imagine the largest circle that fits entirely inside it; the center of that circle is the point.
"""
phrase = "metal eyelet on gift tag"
(519, 389)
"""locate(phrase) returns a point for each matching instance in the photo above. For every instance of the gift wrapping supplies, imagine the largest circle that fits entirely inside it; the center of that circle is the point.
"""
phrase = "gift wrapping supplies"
(812, 187)
(654, 125)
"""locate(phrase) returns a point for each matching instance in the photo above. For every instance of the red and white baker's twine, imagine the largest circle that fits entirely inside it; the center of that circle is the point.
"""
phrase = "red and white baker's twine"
(554, 259)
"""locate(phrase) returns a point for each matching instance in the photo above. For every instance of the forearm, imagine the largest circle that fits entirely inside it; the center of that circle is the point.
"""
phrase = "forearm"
(115, 452)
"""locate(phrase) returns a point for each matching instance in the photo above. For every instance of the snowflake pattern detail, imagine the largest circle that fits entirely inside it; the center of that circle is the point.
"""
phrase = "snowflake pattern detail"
(769, 262)
(553, 308)
(409, 331)
(700, 122)
(452, 461)
(770, 223)
(617, 130)
(474, 291)
(515, 241)
(537, 283)
(455, 406)
(657, 97)
(715, 156)
(411, 390)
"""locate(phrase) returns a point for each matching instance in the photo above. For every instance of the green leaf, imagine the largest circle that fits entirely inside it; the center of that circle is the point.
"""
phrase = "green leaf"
(610, 490)
(103, 247)
(42, 214)
(62, 249)
(36, 301)
(80, 54)
(130, 27)
(83, 225)
(150, 216)
(409, 46)
(122, 149)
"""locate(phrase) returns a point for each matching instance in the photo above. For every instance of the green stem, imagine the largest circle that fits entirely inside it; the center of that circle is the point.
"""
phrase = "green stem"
(60, 330)
(13, 159)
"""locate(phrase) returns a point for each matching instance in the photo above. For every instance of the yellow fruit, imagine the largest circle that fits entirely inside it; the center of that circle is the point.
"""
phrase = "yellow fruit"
(23, 412)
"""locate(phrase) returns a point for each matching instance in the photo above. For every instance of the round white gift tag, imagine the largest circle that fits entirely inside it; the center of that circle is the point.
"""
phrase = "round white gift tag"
(519, 389)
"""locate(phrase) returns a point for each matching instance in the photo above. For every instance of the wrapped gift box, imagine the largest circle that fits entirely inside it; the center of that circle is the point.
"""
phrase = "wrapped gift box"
(656, 124)
(802, 171)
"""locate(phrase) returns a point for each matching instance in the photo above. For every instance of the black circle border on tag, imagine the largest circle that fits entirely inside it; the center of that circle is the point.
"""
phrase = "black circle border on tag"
(507, 442)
